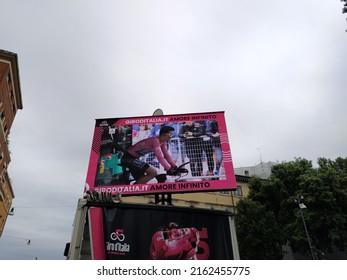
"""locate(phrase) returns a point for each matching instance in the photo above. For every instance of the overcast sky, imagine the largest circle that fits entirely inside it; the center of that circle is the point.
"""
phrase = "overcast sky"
(277, 69)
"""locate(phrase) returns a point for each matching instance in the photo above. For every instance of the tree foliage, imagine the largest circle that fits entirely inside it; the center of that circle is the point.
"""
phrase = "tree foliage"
(258, 233)
(324, 189)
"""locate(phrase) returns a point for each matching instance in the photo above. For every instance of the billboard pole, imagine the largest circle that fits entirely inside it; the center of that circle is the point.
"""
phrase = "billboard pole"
(161, 197)
(235, 245)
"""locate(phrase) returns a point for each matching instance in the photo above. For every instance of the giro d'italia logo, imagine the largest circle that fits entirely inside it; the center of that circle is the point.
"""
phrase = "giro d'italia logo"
(117, 245)
(118, 235)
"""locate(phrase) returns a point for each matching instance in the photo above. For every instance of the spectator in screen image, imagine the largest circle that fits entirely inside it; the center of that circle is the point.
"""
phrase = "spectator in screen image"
(212, 130)
(175, 146)
(207, 146)
(191, 132)
(141, 170)
(143, 132)
(110, 153)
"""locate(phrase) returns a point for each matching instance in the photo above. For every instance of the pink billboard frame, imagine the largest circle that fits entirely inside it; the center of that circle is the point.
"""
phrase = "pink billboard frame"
(225, 182)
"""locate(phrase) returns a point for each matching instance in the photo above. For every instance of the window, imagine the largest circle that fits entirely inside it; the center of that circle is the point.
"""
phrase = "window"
(238, 191)
(224, 192)
(9, 79)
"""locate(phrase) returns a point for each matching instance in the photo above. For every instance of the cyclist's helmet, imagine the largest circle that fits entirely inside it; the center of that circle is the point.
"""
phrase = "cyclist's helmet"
(171, 226)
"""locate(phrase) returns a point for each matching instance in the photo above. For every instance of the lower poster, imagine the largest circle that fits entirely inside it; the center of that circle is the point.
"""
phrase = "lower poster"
(166, 233)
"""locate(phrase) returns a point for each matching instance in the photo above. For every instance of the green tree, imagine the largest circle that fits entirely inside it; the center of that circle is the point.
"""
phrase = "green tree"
(325, 194)
(259, 236)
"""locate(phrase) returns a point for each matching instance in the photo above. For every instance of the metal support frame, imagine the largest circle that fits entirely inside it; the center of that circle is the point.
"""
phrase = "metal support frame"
(162, 198)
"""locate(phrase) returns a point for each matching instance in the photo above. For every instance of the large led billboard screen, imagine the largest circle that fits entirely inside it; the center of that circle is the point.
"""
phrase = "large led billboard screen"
(142, 155)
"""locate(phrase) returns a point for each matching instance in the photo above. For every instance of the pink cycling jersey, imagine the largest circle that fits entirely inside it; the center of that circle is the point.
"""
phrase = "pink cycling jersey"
(178, 244)
(153, 144)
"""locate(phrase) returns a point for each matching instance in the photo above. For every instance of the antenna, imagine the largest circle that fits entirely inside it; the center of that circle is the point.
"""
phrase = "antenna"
(261, 161)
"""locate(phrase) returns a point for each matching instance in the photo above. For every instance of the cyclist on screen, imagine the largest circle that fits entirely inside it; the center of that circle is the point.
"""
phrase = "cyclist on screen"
(142, 171)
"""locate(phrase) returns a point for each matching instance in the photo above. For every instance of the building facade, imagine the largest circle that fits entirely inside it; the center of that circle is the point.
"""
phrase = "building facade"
(10, 103)
(261, 170)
